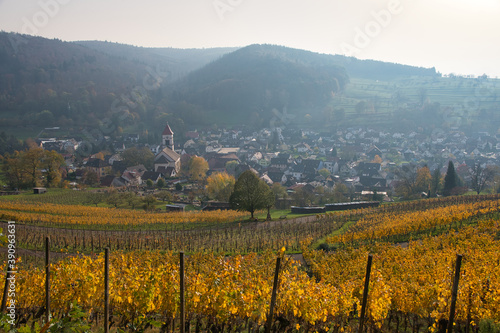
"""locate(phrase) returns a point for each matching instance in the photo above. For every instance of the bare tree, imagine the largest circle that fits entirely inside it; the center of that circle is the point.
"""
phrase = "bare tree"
(481, 176)
(406, 180)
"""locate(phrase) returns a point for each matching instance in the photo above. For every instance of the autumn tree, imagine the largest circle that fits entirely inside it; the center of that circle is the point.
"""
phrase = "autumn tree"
(13, 170)
(25, 168)
(423, 180)
(197, 168)
(32, 161)
(250, 193)
(220, 186)
(52, 163)
(377, 159)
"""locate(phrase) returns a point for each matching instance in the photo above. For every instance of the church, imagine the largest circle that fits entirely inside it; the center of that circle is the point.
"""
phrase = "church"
(167, 161)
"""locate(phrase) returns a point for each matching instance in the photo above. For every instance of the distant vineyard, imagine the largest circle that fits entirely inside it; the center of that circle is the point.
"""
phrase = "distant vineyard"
(84, 217)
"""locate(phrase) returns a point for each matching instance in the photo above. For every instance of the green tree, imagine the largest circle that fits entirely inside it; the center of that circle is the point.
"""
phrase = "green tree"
(302, 197)
(270, 199)
(114, 198)
(150, 183)
(161, 183)
(450, 179)
(131, 199)
(149, 201)
(435, 182)
(324, 172)
(90, 178)
(231, 167)
(279, 191)
(164, 196)
(135, 156)
(250, 193)
(95, 198)
(341, 193)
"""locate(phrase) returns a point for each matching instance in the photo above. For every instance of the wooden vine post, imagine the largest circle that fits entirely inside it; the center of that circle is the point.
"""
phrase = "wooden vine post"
(454, 293)
(269, 323)
(106, 290)
(182, 296)
(365, 293)
(47, 279)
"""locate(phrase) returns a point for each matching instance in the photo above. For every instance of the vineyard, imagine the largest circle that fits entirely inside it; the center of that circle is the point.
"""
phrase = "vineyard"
(414, 246)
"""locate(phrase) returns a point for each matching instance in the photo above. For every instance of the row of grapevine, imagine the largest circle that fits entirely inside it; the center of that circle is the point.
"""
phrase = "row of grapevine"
(412, 285)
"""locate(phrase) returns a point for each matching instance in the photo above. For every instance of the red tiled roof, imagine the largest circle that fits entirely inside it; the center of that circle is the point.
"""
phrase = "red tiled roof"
(167, 131)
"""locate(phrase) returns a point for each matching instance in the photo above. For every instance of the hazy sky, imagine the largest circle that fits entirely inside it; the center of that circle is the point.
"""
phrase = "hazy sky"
(455, 36)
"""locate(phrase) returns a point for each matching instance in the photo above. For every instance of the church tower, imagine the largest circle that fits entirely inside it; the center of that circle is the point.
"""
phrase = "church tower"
(167, 138)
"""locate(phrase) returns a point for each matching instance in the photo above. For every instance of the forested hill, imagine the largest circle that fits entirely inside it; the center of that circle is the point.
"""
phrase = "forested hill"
(75, 84)
(178, 62)
(379, 70)
(251, 81)
(48, 82)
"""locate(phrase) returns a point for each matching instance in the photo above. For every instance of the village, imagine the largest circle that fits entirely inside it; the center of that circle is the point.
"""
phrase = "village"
(346, 165)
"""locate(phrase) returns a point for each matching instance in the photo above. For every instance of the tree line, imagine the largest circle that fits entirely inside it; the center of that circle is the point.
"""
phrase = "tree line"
(414, 181)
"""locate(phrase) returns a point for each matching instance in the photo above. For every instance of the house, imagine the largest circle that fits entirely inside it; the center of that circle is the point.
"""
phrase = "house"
(276, 175)
(374, 151)
(98, 166)
(280, 162)
(151, 175)
(140, 169)
(128, 178)
(167, 172)
(107, 180)
(303, 148)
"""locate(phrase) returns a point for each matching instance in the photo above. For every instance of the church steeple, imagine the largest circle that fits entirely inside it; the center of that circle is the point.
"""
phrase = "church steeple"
(167, 137)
